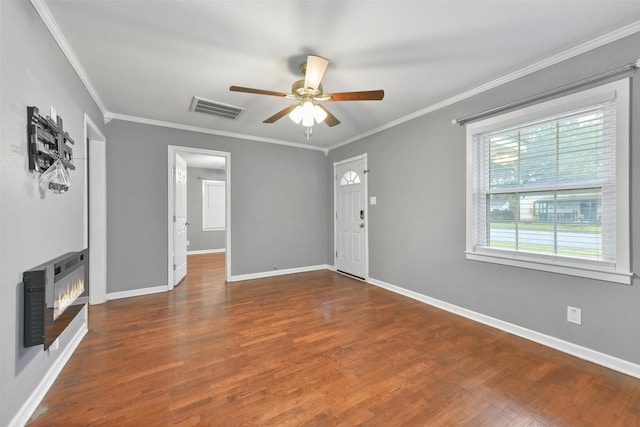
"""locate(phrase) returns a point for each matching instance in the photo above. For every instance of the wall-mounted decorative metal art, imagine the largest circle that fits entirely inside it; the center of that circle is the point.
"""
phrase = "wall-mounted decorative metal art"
(50, 150)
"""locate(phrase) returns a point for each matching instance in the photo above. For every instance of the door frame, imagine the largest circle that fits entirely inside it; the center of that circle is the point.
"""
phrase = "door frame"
(95, 209)
(171, 151)
(366, 210)
(179, 209)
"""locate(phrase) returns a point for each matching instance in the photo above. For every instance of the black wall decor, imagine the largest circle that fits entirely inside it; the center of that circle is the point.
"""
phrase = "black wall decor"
(47, 142)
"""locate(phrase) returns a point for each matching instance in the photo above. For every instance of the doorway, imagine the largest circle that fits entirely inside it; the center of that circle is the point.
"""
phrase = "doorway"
(351, 217)
(95, 210)
(196, 159)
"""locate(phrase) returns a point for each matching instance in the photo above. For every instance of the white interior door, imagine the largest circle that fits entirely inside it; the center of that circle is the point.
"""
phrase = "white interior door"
(351, 217)
(179, 220)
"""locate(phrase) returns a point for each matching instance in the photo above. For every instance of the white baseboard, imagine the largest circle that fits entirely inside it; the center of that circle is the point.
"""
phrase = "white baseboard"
(585, 353)
(136, 292)
(206, 251)
(273, 273)
(43, 387)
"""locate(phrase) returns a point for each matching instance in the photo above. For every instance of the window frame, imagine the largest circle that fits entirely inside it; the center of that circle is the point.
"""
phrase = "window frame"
(213, 183)
(619, 271)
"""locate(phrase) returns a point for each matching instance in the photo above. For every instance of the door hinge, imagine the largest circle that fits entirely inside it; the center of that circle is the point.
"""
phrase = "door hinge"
(174, 218)
(336, 254)
(174, 267)
(336, 215)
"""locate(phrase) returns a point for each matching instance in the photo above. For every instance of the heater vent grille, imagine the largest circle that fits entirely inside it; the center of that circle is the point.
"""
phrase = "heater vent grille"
(215, 108)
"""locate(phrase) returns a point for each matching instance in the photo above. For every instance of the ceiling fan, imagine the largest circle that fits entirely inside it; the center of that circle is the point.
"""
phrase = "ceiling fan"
(309, 94)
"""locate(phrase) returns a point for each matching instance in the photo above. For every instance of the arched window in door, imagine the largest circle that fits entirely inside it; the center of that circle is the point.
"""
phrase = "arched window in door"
(349, 178)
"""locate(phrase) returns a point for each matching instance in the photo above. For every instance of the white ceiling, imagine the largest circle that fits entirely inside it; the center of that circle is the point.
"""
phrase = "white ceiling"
(147, 59)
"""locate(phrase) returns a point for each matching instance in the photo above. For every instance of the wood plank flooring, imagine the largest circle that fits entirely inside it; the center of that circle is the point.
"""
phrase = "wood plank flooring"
(317, 349)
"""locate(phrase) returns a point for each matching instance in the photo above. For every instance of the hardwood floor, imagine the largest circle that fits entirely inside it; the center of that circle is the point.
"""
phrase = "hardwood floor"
(317, 349)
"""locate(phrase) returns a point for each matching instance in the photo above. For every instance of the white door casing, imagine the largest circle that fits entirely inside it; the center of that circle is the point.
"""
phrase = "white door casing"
(350, 192)
(95, 210)
(180, 220)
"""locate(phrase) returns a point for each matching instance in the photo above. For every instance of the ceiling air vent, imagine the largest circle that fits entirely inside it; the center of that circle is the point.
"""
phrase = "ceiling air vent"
(215, 108)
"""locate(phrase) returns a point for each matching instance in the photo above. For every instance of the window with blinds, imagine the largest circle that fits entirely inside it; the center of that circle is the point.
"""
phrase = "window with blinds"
(545, 185)
(213, 205)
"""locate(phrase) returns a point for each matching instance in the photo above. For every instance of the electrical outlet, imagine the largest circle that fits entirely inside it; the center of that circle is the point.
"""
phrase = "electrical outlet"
(574, 315)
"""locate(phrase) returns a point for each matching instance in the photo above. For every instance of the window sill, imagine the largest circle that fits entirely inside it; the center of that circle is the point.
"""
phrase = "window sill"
(550, 264)
(213, 229)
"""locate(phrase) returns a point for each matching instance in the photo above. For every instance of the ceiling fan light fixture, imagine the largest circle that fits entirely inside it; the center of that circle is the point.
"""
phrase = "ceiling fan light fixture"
(319, 114)
(296, 114)
(307, 113)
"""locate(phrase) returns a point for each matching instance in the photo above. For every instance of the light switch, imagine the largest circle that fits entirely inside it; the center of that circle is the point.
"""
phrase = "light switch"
(373, 200)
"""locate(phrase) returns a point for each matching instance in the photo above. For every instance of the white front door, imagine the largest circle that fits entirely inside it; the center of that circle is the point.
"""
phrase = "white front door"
(351, 217)
(179, 220)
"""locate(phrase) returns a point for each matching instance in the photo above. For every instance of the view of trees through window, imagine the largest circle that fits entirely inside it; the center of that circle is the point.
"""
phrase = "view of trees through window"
(545, 185)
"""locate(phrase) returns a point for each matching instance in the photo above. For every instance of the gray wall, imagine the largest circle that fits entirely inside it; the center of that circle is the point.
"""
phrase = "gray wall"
(201, 240)
(417, 228)
(34, 227)
(278, 204)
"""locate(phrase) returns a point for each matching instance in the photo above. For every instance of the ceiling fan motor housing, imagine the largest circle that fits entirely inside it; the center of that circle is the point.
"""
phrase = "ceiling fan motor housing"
(298, 88)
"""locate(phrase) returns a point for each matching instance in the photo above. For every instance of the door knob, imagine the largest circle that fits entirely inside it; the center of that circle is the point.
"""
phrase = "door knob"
(361, 225)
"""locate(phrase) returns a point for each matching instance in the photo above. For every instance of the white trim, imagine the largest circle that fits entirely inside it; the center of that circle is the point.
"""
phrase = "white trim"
(206, 251)
(579, 351)
(171, 151)
(537, 66)
(96, 231)
(207, 131)
(351, 159)
(364, 158)
(31, 404)
(52, 26)
(261, 275)
(136, 292)
(560, 266)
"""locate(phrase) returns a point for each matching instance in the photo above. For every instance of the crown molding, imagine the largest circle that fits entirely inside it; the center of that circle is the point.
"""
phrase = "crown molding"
(52, 26)
(135, 119)
(540, 65)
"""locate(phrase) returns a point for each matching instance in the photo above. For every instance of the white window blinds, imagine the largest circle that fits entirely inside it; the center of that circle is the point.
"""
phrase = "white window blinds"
(549, 186)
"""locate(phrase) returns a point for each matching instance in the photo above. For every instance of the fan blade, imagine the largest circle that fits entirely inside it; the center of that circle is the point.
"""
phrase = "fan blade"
(280, 114)
(368, 95)
(331, 120)
(316, 66)
(258, 91)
